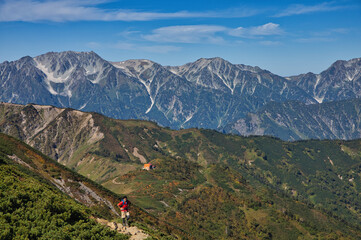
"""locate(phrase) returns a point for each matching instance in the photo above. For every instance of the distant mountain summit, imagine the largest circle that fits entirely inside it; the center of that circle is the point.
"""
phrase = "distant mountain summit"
(207, 93)
(341, 81)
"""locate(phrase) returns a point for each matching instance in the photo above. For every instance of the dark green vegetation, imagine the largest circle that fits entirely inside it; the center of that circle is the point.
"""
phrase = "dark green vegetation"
(207, 184)
(31, 207)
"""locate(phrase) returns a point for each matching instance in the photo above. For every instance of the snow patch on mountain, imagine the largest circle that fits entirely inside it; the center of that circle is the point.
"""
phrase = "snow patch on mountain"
(136, 68)
(319, 99)
(351, 75)
(51, 76)
(188, 118)
(48, 78)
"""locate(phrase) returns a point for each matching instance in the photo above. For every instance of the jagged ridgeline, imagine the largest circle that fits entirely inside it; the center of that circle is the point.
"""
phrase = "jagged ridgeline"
(208, 93)
(41, 199)
(207, 184)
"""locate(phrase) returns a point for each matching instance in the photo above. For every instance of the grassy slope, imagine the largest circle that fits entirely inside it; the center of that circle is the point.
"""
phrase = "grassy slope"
(323, 173)
(33, 207)
(194, 171)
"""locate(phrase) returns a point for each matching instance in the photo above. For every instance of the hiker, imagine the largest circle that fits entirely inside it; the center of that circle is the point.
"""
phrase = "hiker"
(124, 208)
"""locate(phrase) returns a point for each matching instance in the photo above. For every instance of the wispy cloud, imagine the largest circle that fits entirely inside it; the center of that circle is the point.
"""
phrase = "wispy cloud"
(263, 30)
(187, 34)
(298, 9)
(209, 33)
(86, 10)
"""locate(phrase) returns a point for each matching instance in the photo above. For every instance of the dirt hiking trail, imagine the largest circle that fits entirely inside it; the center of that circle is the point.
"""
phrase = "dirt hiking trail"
(134, 232)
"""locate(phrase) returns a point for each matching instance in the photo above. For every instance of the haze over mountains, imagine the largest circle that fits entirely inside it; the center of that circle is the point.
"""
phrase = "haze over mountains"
(208, 93)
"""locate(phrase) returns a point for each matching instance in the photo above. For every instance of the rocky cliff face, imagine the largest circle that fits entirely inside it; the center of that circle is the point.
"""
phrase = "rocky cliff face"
(339, 82)
(241, 80)
(208, 93)
(81, 141)
(295, 121)
(58, 133)
(82, 81)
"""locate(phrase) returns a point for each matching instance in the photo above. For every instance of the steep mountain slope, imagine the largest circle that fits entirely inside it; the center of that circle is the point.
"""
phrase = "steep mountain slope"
(213, 185)
(38, 200)
(296, 121)
(342, 80)
(243, 88)
(208, 93)
(73, 138)
(216, 73)
(71, 79)
(173, 100)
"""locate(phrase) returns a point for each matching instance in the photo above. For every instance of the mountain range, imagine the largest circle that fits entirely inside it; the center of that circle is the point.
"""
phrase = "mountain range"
(208, 93)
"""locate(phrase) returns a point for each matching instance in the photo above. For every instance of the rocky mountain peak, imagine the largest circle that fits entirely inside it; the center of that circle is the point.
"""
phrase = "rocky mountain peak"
(345, 70)
(211, 62)
(136, 67)
(23, 63)
(65, 67)
(209, 92)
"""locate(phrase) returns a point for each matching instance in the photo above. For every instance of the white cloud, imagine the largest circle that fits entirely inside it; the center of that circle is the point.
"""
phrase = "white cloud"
(187, 34)
(298, 9)
(267, 29)
(86, 10)
(209, 33)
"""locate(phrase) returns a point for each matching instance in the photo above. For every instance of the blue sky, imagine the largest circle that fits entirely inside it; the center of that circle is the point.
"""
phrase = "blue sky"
(285, 37)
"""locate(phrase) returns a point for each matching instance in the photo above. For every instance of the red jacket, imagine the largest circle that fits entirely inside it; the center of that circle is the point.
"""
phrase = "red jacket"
(123, 205)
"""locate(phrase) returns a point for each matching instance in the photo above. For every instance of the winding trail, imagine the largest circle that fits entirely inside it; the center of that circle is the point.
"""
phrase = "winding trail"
(134, 232)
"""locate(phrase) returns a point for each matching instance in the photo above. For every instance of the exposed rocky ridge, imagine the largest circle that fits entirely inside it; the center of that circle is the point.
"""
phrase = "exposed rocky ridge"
(71, 137)
(208, 93)
(296, 121)
(57, 132)
(342, 80)
(70, 79)
(217, 73)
